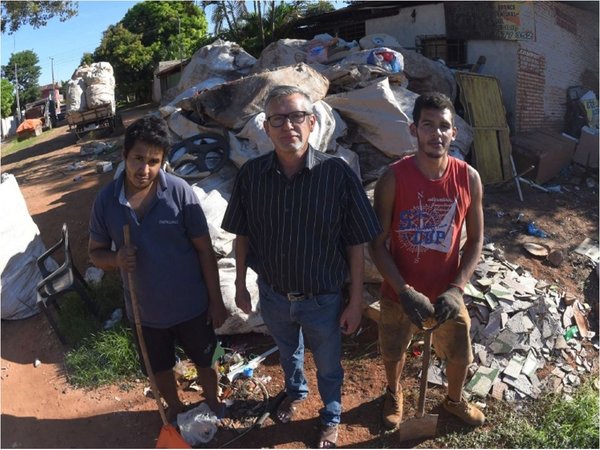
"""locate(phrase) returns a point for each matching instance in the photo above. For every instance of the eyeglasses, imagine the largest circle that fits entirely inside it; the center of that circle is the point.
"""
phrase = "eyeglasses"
(277, 120)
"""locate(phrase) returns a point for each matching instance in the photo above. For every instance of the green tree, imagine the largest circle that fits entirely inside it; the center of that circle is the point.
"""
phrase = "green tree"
(7, 97)
(315, 8)
(86, 59)
(35, 13)
(28, 75)
(229, 12)
(148, 33)
(269, 21)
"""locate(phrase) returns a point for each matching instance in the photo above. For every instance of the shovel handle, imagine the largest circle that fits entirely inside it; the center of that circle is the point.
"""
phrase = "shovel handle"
(138, 328)
(426, 359)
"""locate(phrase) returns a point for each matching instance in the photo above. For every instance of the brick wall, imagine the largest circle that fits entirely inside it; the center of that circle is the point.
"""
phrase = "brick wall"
(564, 53)
(530, 90)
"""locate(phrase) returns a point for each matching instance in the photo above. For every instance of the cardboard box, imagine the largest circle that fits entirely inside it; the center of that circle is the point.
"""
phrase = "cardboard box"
(548, 151)
(588, 148)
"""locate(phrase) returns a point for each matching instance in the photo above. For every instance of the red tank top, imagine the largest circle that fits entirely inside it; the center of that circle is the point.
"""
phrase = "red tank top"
(426, 225)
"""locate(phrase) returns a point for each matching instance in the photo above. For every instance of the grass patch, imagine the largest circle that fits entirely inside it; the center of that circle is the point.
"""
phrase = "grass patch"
(103, 358)
(98, 357)
(14, 145)
(550, 422)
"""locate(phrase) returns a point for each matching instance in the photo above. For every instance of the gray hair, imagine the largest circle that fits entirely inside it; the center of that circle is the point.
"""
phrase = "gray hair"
(285, 91)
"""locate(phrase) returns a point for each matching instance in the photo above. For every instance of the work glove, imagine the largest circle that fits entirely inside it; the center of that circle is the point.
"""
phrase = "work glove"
(447, 305)
(416, 306)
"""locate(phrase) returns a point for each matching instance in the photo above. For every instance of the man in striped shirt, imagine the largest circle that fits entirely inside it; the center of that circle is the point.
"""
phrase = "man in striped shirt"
(301, 217)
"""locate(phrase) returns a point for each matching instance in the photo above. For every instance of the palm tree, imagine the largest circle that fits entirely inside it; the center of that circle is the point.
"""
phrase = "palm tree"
(231, 12)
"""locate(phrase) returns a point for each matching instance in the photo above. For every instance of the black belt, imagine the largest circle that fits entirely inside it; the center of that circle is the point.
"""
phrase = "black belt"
(297, 296)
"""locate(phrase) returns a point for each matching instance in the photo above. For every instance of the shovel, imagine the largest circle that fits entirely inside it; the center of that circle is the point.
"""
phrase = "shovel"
(168, 437)
(422, 425)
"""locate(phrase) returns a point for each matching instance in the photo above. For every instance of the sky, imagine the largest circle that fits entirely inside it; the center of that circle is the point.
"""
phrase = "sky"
(67, 41)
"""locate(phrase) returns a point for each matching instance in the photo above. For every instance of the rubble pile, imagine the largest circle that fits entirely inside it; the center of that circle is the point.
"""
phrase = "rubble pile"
(528, 337)
(364, 93)
(363, 101)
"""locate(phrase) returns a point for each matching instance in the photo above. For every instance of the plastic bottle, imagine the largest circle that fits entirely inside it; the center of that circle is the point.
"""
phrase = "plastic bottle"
(535, 231)
(571, 332)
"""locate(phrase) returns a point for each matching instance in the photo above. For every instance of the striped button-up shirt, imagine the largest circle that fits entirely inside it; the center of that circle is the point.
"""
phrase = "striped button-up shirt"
(298, 230)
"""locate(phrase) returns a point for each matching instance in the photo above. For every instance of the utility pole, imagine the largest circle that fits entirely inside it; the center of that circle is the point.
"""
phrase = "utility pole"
(52, 64)
(17, 89)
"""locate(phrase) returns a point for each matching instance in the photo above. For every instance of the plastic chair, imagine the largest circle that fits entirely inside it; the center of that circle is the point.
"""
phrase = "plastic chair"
(55, 283)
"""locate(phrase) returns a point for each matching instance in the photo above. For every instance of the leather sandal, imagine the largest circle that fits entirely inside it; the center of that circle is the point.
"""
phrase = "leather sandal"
(287, 409)
(328, 435)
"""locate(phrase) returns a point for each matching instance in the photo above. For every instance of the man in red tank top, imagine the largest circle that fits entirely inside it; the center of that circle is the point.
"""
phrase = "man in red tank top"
(422, 202)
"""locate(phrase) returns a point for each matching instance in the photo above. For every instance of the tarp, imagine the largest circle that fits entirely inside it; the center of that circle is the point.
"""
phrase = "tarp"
(232, 104)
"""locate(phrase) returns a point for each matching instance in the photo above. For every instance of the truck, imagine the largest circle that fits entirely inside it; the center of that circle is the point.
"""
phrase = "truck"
(91, 98)
(43, 109)
(100, 117)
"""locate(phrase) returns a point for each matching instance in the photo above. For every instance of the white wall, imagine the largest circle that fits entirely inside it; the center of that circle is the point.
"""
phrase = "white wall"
(429, 20)
(501, 62)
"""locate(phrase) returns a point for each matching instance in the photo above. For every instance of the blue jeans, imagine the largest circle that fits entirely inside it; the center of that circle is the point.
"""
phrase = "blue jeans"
(316, 320)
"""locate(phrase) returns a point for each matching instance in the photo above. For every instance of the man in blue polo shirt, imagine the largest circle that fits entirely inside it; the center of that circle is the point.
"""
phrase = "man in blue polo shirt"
(301, 217)
(171, 258)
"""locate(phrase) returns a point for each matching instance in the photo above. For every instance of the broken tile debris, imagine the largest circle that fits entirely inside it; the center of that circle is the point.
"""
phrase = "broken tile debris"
(482, 381)
(520, 325)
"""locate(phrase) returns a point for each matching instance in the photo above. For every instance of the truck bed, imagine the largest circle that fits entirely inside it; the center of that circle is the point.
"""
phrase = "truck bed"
(97, 114)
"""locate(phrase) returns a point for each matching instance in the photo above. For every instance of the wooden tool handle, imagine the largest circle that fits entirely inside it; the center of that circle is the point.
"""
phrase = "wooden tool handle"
(138, 327)
(426, 359)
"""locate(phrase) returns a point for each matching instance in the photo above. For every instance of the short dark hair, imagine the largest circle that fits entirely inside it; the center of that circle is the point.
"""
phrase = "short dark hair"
(151, 130)
(432, 100)
(286, 91)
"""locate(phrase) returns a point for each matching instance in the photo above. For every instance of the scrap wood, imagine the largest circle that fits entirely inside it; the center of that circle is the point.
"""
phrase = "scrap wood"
(581, 321)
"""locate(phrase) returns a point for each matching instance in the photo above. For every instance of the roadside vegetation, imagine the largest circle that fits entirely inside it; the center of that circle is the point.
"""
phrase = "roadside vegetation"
(13, 145)
(553, 421)
(98, 357)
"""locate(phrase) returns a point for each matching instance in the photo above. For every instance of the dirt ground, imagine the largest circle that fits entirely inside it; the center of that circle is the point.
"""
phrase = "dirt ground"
(40, 408)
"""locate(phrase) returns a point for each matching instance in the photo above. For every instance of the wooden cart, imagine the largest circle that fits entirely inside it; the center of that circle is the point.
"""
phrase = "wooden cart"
(101, 117)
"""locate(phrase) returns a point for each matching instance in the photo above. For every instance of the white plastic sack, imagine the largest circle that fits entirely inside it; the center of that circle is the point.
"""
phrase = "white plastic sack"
(20, 246)
(100, 94)
(214, 204)
(239, 322)
(378, 40)
(379, 117)
(198, 425)
(372, 274)
(254, 131)
(242, 150)
(199, 87)
(232, 104)
(284, 52)
(426, 75)
(184, 127)
(100, 73)
(349, 157)
(385, 58)
(221, 59)
(81, 72)
(76, 101)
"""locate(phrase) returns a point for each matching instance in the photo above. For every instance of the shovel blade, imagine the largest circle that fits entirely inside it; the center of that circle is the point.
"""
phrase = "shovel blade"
(418, 427)
(170, 438)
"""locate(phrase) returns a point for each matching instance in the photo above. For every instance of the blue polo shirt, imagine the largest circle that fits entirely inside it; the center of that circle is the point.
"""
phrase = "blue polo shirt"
(168, 278)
